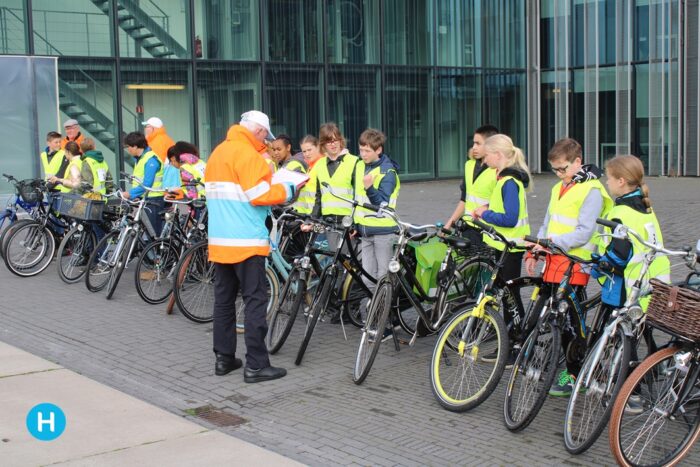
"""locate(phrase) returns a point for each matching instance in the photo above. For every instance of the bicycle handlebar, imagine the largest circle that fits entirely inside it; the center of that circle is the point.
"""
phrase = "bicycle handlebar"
(621, 231)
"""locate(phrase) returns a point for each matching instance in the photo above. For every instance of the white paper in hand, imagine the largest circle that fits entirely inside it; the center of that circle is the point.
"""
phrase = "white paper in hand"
(289, 176)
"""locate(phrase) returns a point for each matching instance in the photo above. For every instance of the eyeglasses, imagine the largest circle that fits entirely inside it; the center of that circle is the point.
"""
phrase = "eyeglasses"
(560, 170)
(331, 141)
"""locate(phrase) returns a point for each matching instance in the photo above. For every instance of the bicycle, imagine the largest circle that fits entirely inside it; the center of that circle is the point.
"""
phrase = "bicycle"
(294, 293)
(537, 362)
(476, 332)
(607, 363)
(88, 219)
(30, 246)
(399, 290)
(665, 385)
(26, 198)
(111, 255)
(155, 269)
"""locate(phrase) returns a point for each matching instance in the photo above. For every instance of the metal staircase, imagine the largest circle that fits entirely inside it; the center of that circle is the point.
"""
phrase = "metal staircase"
(90, 118)
(141, 27)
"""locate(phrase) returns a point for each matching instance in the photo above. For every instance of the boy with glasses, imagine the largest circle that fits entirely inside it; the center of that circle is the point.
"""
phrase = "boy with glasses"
(575, 203)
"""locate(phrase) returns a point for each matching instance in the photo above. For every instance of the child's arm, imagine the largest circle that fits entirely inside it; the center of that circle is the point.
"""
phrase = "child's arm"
(511, 205)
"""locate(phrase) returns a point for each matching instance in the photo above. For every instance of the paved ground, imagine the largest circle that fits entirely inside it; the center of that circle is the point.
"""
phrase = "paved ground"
(100, 424)
(315, 415)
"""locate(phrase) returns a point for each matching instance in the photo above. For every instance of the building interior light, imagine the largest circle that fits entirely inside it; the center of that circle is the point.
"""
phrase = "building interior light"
(157, 87)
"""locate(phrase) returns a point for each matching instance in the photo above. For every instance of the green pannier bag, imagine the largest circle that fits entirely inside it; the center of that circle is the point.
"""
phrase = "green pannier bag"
(429, 256)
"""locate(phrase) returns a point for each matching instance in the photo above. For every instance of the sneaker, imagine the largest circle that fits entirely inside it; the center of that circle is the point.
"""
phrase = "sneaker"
(634, 405)
(490, 357)
(147, 275)
(564, 385)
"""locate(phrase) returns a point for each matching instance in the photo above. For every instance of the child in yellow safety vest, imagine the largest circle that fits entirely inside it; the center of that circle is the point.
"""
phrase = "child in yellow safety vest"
(575, 203)
(70, 179)
(477, 184)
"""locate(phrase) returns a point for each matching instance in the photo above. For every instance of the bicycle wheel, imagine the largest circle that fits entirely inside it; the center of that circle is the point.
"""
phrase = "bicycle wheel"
(320, 303)
(155, 271)
(351, 297)
(98, 267)
(74, 252)
(116, 272)
(460, 379)
(283, 315)
(373, 331)
(194, 288)
(595, 391)
(8, 230)
(272, 288)
(531, 377)
(29, 249)
(655, 436)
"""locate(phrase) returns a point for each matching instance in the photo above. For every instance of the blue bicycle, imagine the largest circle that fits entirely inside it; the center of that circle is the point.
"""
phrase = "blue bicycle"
(25, 199)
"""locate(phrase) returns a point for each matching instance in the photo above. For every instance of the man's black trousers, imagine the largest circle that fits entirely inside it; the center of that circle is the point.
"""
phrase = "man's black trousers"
(248, 277)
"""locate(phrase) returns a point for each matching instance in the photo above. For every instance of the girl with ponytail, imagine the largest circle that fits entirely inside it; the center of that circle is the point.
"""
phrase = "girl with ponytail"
(507, 207)
(625, 181)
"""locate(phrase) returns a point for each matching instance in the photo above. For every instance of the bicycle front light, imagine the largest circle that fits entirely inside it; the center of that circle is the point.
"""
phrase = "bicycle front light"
(347, 221)
(394, 266)
(169, 216)
(635, 312)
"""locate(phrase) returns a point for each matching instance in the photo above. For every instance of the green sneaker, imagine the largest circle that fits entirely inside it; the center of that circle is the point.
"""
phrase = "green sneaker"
(564, 385)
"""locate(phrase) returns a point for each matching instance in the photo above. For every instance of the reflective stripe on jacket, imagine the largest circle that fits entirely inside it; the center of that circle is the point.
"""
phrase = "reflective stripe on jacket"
(522, 228)
(140, 169)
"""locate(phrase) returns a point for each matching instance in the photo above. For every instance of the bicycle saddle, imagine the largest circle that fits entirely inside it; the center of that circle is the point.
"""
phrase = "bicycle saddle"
(458, 243)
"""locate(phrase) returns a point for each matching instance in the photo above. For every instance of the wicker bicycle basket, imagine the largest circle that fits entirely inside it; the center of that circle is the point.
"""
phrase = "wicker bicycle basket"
(77, 207)
(29, 191)
(675, 309)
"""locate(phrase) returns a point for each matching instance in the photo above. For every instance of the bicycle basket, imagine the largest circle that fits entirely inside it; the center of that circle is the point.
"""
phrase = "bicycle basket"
(78, 207)
(30, 191)
(675, 309)
(556, 266)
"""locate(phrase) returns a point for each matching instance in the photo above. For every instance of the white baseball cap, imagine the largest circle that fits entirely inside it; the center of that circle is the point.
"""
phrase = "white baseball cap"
(155, 122)
(261, 119)
(70, 122)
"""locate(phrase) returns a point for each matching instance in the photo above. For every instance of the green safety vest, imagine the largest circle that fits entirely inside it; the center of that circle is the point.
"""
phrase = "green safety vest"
(522, 228)
(197, 171)
(478, 191)
(564, 211)
(364, 216)
(647, 226)
(341, 182)
(51, 167)
(99, 172)
(296, 166)
(140, 169)
(75, 162)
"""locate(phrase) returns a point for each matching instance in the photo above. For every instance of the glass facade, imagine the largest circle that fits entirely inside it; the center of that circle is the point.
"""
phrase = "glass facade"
(610, 78)
(427, 72)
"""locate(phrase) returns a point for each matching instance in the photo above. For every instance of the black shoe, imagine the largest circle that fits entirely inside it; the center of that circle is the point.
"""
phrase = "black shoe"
(263, 374)
(225, 364)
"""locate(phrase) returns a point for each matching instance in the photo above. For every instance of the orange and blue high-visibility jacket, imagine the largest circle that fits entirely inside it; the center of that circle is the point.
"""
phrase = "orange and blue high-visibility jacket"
(239, 188)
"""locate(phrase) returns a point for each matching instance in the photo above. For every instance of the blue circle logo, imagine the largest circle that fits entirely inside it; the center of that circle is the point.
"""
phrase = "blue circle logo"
(46, 422)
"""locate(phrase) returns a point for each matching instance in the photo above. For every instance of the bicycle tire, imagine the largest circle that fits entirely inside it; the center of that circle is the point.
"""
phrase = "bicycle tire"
(118, 269)
(7, 230)
(75, 248)
(351, 296)
(596, 399)
(195, 274)
(155, 270)
(273, 287)
(543, 370)
(451, 341)
(323, 296)
(98, 268)
(373, 330)
(291, 299)
(656, 366)
(28, 262)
